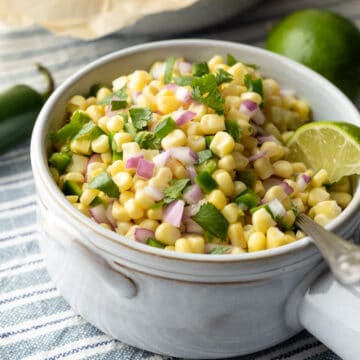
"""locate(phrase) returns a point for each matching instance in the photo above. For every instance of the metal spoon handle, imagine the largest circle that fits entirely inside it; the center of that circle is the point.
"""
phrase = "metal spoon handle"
(342, 256)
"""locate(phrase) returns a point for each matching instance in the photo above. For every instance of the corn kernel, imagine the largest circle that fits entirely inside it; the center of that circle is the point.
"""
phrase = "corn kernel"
(215, 60)
(80, 147)
(231, 212)
(212, 123)
(217, 198)
(174, 139)
(120, 139)
(239, 187)
(103, 93)
(167, 233)
(283, 168)
(222, 144)
(133, 210)
(138, 79)
(77, 102)
(143, 200)
(319, 178)
(317, 195)
(167, 104)
(224, 180)
(236, 235)
(123, 180)
(197, 243)
(196, 142)
(122, 227)
(155, 214)
(274, 238)
(101, 144)
(169, 248)
(263, 168)
(262, 220)
(95, 112)
(342, 198)
(115, 123)
(227, 163)
(119, 213)
(88, 196)
(182, 245)
(256, 242)
(149, 224)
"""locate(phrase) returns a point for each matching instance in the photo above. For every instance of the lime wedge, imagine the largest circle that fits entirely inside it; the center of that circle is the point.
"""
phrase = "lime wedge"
(333, 146)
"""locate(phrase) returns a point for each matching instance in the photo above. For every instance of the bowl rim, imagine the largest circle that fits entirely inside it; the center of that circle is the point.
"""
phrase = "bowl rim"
(41, 171)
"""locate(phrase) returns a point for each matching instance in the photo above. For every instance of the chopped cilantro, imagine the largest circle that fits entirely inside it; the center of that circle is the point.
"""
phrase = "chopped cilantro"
(104, 183)
(219, 250)
(157, 205)
(118, 104)
(130, 128)
(169, 66)
(147, 140)
(230, 60)
(204, 155)
(119, 95)
(212, 220)
(65, 134)
(164, 127)
(233, 129)
(254, 66)
(174, 191)
(205, 91)
(200, 69)
(140, 117)
(185, 80)
(223, 76)
(254, 85)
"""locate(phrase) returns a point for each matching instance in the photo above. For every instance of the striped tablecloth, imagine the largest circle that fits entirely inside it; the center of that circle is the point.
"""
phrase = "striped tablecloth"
(35, 321)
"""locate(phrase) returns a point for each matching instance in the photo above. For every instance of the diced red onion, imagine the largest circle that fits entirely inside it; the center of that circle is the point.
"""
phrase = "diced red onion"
(154, 193)
(248, 107)
(109, 215)
(193, 227)
(191, 172)
(174, 212)
(184, 154)
(271, 181)
(258, 117)
(266, 138)
(287, 188)
(193, 194)
(93, 158)
(183, 94)
(158, 70)
(145, 168)
(276, 208)
(173, 87)
(257, 156)
(132, 162)
(142, 234)
(98, 212)
(181, 117)
(302, 181)
(185, 67)
(162, 158)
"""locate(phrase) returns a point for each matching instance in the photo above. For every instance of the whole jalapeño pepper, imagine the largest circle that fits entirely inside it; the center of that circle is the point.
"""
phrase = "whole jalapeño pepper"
(19, 107)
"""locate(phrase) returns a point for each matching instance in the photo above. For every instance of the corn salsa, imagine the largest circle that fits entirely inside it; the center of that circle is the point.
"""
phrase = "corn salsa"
(192, 157)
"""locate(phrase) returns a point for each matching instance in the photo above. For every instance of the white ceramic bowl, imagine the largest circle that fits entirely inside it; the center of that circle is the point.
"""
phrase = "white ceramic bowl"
(189, 305)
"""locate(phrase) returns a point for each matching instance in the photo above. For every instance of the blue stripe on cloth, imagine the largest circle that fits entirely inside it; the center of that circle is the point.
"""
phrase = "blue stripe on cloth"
(35, 277)
(27, 295)
(50, 340)
(18, 266)
(36, 327)
(33, 310)
(25, 219)
(20, 251)
(19, 234)
(326, 355)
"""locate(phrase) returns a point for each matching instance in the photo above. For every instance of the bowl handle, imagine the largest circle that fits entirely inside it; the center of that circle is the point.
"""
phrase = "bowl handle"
(64, 250)
(329, 310)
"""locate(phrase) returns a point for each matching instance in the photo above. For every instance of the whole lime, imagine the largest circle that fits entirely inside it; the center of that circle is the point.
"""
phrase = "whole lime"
(324, 41)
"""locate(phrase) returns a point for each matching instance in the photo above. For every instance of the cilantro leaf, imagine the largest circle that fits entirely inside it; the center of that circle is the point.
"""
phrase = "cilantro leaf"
(230, 60)
(205, 91)
(147, 140)
(119, 95)
(140, 117)
(185, 80)
(174, 191)
(254, 85)
(200, 69)
(169, 66)
(254, 66)
(219, 250)
(233, 129)
(212, 220)
(223, 76)
(118, 104)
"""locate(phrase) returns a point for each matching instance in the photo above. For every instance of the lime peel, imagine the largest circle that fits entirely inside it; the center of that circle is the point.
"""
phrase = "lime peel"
(330, 145)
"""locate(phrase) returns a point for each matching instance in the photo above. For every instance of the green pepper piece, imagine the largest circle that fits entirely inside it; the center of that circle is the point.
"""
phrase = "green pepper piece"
(205, 155)
(19, 107)
(154, 243)
(106, 184)
(206, 182)
(208, 140)
(208, 165)
(164, 127)
(71, 188)
(247, 177)
(60, 160)
(247, 199)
